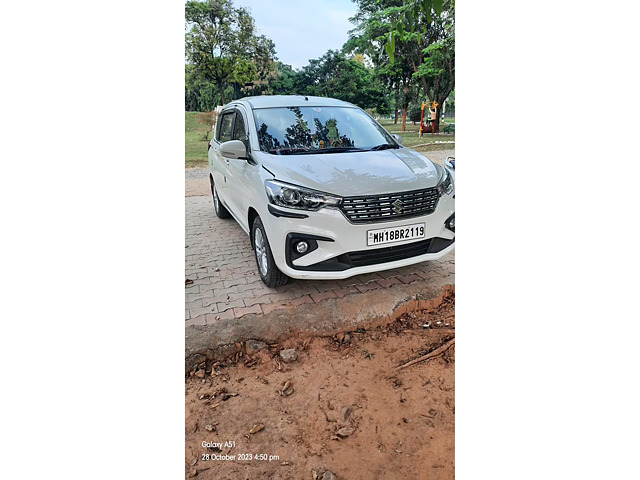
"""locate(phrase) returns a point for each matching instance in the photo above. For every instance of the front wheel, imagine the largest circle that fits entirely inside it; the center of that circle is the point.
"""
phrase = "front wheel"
(221, 211)
(269, 272)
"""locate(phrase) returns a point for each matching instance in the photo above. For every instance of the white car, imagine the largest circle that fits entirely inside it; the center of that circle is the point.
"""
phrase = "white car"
(324, 191)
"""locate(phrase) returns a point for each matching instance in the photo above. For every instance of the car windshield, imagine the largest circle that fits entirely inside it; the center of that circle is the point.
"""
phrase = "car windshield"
(303, 130)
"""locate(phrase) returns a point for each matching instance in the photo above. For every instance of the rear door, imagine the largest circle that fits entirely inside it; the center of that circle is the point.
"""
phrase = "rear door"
(218, 164)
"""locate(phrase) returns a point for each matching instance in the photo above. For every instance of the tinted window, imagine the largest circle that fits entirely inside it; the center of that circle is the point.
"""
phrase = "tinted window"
(239, 132)
(226, 126)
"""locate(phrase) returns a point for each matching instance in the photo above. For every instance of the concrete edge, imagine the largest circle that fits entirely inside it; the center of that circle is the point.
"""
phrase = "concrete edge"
(363, 310)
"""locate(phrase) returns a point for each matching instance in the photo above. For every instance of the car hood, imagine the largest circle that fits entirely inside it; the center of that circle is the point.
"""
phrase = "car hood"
(355, 173)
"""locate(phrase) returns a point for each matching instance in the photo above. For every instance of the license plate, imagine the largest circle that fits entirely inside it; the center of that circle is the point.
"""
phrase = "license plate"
(395, 234)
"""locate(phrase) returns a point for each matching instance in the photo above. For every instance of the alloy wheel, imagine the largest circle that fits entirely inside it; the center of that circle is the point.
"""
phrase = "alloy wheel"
(261, 251)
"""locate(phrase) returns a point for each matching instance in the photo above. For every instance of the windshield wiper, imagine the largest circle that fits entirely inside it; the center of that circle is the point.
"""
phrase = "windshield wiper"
(335, 150)
(383, 146)
(288, 151)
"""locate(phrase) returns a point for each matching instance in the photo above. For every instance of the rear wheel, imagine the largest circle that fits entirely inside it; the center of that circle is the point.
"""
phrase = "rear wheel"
(221, 211)
(269, 272)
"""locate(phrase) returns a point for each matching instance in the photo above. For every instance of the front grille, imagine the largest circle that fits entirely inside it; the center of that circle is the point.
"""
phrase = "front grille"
(377, 208)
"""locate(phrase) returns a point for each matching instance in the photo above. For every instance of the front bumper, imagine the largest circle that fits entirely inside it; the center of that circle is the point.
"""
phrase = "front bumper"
(338, 248)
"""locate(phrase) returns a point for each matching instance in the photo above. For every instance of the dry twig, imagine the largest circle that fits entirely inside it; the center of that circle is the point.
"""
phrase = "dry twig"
(438, 351)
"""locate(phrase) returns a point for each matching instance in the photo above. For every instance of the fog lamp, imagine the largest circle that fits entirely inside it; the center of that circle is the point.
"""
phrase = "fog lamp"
(302, 247)
(451, 223)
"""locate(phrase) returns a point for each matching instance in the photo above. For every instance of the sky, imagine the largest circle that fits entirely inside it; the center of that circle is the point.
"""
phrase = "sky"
(303, 29)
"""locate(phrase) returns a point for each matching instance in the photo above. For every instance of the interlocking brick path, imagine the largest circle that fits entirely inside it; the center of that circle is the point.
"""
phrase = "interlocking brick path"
(226, 284)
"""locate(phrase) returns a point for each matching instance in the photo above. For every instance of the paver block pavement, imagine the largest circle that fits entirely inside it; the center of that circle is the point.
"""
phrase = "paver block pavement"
(226, 285)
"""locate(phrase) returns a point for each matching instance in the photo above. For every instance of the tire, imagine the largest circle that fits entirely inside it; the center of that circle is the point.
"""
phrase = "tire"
(221, 211)
(269, 272)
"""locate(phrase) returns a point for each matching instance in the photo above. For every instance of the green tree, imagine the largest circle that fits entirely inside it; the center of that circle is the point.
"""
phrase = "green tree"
(221, 44)
(437, 71)
(334, 75)
(429, 47)
(411, 13)
(373, 24)
(285, 80)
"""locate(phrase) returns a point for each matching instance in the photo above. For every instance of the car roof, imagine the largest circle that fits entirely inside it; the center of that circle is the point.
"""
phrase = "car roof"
(270, 101)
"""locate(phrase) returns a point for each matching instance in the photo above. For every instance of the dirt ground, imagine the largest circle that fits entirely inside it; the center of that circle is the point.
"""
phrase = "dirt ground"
(342, 405)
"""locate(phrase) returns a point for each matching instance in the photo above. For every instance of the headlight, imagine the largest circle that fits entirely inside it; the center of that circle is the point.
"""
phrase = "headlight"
(445, 185)
(291, 196)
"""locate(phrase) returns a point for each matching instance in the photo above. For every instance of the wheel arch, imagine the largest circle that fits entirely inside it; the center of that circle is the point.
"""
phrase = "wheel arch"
(252, 214)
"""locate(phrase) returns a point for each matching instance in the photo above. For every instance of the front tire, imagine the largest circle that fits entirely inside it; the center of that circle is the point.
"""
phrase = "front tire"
(221, 211)
(269, 272)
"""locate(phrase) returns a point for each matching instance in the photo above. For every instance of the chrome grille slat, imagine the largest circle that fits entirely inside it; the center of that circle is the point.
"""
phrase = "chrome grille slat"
(368, 208)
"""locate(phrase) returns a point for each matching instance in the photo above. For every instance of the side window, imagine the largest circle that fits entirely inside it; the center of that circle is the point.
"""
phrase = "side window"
(226, 126)
(239, 132)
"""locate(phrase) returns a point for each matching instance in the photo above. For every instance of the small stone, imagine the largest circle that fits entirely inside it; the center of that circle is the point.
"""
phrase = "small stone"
(340, 337)
(289, 355)
(209, 428)
(254, 346)
(200, 374)
(256, 428)
(192, 473)
(329, 475)
(345, 431)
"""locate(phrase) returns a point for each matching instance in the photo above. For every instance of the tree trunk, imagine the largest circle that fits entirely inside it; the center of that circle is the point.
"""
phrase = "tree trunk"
(406, 105)
(436, 122)
(221, 88)
(397, 110)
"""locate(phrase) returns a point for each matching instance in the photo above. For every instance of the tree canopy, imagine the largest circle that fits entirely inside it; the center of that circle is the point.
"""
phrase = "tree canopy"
(222, 46)
(399, 53)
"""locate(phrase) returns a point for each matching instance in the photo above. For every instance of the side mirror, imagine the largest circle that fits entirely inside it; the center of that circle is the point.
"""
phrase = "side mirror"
(450, 162)
(398, 139)
(234, 149)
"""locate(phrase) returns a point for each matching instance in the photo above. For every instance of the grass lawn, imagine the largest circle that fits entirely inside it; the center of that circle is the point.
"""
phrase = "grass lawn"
(412, 140)
(195, 145)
